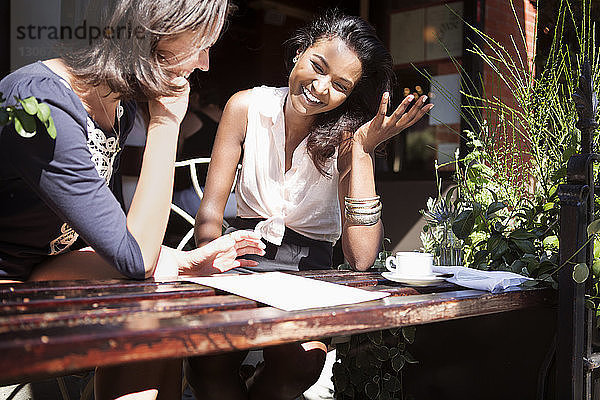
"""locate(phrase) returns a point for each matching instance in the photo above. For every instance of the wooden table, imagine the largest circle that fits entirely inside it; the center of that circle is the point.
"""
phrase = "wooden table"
(56, 328)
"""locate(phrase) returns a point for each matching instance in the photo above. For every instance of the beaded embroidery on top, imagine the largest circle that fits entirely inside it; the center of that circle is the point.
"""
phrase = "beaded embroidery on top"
(104, 149)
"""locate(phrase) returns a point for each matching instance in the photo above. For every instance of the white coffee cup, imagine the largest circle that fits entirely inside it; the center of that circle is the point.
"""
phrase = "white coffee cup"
(410, 263)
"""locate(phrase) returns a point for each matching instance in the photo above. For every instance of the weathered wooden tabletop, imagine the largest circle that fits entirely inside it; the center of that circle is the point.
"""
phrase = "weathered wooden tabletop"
(55, 328)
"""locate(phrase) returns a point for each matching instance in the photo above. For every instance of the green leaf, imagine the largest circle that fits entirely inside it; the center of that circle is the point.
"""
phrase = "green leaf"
(530, 283)
(481, 257)
(569, 151)
(550, 242)
(4, 117)
(521, 234)
(24, 124)
(495, 207)
(382, 353)
(517, 266)
(50, 128)
(497, 246)
(477, 209)
(546, 267)
(549, 206)
(392, 384)
(525, 246)
(43, 112)
(398, 362)
(596, 267)
(593, 228)
(30, 105)
(375, 337)
(559, 174)
(580, 272)
(464, 223)
(449, 195)
(409, 358)
(590, 305)
(409, 333)
(394, 331)
(532, 267)
(372, 390)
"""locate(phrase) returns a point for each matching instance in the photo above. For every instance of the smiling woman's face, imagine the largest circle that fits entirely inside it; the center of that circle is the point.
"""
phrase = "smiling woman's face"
(180, 57)
(323, 77)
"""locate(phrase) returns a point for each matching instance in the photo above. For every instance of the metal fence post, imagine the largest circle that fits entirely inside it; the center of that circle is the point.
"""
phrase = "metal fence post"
(573, 373)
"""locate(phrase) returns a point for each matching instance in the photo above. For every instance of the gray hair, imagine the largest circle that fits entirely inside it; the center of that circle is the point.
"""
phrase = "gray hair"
(130, 65)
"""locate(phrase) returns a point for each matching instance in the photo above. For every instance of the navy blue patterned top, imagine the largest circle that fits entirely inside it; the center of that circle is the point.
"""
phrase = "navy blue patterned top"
(54, 191)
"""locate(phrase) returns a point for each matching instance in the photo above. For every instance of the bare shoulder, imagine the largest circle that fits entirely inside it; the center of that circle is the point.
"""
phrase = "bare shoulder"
(235, 118)
(239, 102)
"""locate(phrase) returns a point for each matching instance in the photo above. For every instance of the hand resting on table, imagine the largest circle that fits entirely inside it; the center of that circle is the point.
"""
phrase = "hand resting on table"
(217, 256)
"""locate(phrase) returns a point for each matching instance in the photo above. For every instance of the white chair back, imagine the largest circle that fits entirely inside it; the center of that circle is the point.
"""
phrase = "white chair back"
(191, 164)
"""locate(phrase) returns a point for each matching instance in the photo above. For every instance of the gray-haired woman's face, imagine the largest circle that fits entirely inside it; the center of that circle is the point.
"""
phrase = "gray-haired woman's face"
(180, 57)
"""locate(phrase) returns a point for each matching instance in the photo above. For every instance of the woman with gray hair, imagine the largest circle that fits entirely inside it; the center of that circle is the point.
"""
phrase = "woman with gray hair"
(54, 191)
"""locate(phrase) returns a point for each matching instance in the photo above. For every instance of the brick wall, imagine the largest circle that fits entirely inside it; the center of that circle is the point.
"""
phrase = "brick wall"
(502, 23)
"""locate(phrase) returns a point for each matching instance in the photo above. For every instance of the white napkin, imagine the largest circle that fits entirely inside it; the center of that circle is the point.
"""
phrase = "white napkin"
(492, 281)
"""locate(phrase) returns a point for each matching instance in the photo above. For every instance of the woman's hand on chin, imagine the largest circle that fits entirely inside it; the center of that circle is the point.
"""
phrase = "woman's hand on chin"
(382, 127)
(221, 254)
(171, 108)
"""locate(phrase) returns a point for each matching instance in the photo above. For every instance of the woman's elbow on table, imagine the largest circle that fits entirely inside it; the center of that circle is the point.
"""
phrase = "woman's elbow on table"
(361, 263)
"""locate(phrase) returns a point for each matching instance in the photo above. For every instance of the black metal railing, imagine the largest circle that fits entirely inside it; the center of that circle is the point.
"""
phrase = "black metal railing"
(575, 359)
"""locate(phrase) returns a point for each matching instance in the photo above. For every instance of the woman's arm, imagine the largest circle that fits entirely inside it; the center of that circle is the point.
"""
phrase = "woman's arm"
(150, 207)
(361, 243)
(222, 169)
(217, 256)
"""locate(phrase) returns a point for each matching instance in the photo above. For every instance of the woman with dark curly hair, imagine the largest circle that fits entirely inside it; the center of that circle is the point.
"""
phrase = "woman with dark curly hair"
(307, 178)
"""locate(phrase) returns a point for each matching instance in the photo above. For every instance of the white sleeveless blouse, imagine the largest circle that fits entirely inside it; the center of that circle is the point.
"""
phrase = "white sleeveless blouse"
(301, 199)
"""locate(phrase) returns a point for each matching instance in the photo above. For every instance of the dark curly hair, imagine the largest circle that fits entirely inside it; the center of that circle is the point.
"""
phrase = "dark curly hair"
(377, 77)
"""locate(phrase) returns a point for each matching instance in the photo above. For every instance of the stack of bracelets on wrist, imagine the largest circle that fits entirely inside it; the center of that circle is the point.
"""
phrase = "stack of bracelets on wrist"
(365, 211)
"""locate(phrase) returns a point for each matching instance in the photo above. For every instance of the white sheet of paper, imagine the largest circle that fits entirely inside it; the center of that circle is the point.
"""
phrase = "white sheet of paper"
(288, 292)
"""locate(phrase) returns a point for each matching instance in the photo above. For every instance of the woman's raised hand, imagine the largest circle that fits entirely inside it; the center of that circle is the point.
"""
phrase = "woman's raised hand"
(221, 254)
(171, 108)
(382, 127)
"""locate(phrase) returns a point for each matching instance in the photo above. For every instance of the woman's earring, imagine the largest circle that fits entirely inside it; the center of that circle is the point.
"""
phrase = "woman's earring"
(295, 59)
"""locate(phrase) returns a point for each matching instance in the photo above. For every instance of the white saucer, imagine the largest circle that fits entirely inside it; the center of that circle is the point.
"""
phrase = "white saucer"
(425, 280)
